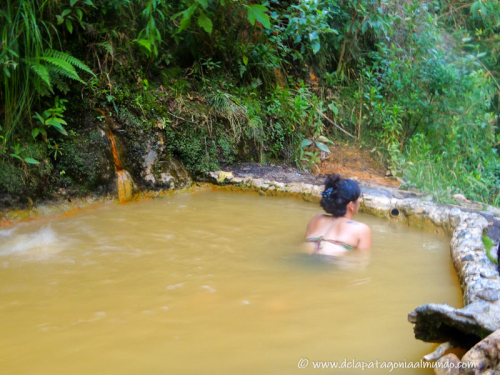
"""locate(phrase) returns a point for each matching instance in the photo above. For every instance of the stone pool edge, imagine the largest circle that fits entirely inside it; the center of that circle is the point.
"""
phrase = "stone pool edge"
(63, 207)
(479, 278)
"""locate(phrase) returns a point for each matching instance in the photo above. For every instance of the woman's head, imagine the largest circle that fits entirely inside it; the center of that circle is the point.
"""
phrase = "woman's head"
(338, 193)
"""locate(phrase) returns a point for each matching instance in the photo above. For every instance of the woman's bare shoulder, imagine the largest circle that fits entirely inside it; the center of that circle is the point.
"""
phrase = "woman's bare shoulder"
(362, 227)
(315, 223)
(321, 219)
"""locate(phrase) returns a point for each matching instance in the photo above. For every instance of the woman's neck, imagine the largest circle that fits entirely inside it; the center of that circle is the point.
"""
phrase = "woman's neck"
(348, 215)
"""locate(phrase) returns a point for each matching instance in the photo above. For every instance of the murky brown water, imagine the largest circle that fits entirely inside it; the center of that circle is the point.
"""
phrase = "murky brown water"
(208, 283)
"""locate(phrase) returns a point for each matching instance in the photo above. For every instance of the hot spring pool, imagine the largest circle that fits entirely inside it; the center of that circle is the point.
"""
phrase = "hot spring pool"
(208, 283)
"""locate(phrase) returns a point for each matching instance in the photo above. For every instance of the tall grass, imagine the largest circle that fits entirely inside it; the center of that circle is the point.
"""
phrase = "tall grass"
(21, 41)
(433, 175)
(30, 65)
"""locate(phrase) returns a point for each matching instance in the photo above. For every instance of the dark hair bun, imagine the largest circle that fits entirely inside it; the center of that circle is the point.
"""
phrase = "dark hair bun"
(333, 180)
(338, 193)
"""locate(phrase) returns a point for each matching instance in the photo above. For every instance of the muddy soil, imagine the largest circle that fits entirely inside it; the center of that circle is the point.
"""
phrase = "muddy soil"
(351, 161)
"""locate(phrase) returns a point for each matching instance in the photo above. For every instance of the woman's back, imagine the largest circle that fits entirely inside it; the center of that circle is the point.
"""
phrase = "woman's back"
(328, 235)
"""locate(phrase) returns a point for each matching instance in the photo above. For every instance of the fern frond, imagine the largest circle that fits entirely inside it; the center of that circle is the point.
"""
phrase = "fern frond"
(64, 68)
(107, 47)
(57, 71)
(41, 87)
(42, 73)
(59, 83)
(68, 59)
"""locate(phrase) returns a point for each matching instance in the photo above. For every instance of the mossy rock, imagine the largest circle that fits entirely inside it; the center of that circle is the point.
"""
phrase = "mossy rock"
(87, 162)
(22, 181)
(169, 173)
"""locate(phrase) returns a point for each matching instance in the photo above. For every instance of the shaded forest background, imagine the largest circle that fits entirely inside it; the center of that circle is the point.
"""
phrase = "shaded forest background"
(237, 80)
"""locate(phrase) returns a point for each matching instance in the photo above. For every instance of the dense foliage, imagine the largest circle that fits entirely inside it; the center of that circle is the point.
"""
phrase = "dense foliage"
(417, 82)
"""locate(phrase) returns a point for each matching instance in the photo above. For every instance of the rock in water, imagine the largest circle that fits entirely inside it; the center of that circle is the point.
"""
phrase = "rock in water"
(447, 365)
(484, 357)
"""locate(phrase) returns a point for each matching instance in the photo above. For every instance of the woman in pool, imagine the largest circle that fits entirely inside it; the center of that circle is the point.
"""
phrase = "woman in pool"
(337, 234)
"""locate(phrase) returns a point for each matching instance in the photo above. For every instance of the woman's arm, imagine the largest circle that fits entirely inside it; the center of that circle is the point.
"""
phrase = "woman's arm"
(365, 238)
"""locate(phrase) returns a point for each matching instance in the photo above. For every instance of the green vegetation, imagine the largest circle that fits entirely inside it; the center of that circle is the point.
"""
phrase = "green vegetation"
(227, 81)
(488, 244)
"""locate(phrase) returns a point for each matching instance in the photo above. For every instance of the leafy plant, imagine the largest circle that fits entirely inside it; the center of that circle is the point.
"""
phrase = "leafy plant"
(319, 143)
(73, 14)
(31, 66)
(307, 22)
(18, 151)
(311, 149)
(50, 118)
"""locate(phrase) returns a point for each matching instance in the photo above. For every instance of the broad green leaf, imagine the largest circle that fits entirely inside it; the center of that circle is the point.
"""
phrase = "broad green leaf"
(66, 12)
(243, 69)
(31, 161)
(186, 17)
(245, 60)
(59, 19)
(316, 47)
(333, 108)
(322, 147)
(203, 3)
(474, 7)
(145, 43)
(364, 27)
(185, 22)
(323, 139)
(258, 13)
(39, 118)
(6, 71)
(59, 128)
(73, 2)
(69, 25)
(305, 143)
(176, 15)
(53, 122)
(482, 54)
(79, 13)
(313, 36)
(205, 23)
(16, 156)
(35, 132)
